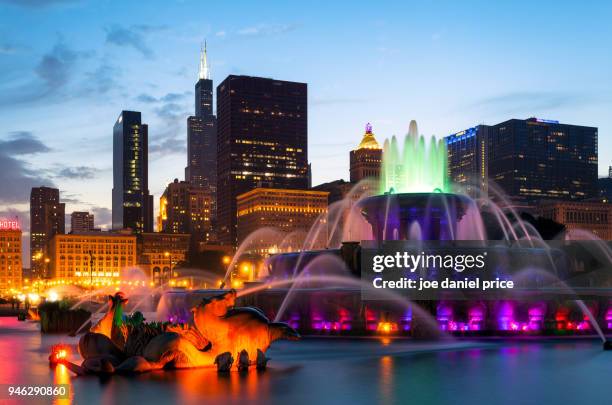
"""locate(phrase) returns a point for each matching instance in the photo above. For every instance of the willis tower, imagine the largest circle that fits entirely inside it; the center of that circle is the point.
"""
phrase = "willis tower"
(201, 170)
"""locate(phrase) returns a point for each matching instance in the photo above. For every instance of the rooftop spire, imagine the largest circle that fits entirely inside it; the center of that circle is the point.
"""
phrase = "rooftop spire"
(204, 69)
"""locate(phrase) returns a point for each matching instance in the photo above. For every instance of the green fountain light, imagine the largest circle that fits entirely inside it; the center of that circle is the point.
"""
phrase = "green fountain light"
(420, 167)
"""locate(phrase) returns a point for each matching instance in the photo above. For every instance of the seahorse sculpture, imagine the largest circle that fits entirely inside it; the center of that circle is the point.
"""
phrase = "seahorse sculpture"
(219, 334)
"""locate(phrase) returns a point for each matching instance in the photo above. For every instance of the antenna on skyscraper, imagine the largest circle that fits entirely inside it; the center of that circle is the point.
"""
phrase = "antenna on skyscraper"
(204, 72)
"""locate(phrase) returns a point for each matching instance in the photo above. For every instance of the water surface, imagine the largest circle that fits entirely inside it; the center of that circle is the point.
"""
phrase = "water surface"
(337, 371)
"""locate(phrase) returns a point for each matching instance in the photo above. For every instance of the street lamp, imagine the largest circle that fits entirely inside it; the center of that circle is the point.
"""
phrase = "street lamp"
(91, 261)
(169, 256)
(47, 260)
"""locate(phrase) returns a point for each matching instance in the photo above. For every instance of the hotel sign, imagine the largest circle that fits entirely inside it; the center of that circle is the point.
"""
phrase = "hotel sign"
(9, 225)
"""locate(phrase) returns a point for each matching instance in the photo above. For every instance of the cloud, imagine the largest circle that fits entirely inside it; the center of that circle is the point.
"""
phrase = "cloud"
(220, 34)
(103, 217)
(132, 37)
(168, 98)
(22, 143)
(16, 175)
(172, 110)
(52, 73)
(78, 172)
(70, 198)
(7, 49)
(102, 80)
(260, 30)
(171, 139)
(532, 102)
(146, 98)
(56, 67)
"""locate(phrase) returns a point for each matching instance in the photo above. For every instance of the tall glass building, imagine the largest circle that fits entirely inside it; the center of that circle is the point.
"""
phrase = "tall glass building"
(132, 203)
(261, 142)
(528, 160)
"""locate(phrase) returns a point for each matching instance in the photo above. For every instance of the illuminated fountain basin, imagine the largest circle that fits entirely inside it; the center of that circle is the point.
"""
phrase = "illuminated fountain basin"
(409, 216)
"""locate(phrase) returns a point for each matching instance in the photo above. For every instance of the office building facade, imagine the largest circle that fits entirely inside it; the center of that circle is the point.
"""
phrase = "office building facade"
(99, 257)
(160, 253)
(528, 160)
(186, 209)
(467, 160)
(261, 142)
(132, 203)
(81, 221)
(286, 210)
(47, 218)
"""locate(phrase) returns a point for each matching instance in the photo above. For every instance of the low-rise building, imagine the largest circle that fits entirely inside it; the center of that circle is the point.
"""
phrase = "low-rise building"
(98, 257)
(286, 210)
(592, 216)
(160, 253)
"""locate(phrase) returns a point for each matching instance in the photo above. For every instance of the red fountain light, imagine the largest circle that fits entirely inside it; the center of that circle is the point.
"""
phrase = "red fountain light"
(59, 352)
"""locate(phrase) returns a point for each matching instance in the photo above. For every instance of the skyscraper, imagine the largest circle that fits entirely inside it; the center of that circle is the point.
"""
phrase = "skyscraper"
(81, 222)
(132, 204)
(201, 170)
(366, 160)
(467, 160)
(46, 220)
(261, 141)
(528, 159)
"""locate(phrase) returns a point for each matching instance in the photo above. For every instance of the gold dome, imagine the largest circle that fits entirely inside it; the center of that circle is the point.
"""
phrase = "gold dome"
(368, 141)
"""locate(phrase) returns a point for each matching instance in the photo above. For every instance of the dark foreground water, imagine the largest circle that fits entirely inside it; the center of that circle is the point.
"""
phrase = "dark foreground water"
(343, 371)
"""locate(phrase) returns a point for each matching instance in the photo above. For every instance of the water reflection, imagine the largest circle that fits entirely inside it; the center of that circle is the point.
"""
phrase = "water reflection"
(320, 371)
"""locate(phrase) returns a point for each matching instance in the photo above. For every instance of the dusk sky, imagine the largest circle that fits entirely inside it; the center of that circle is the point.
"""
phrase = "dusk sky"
(68, 68)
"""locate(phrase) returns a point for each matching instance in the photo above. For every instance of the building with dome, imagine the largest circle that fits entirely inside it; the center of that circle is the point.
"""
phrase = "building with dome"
(366, 160)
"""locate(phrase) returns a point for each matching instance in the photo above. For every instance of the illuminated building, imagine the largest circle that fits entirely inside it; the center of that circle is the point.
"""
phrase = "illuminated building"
(10, 255)
(46, 220)
(283, 209)
(98, 257)
(159, 253)
(261, 142)
(81, 221)
(592, 216)
(467, 160)
(185, 208)
(365, 161)
(132, 204)
(528, 159)
(201, 167)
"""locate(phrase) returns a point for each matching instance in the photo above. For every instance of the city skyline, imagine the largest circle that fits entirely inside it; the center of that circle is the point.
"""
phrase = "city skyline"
(56, 133)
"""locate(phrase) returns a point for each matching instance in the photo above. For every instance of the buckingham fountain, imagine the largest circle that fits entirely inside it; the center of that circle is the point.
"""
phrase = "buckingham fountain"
(324, 292)
(415, 205)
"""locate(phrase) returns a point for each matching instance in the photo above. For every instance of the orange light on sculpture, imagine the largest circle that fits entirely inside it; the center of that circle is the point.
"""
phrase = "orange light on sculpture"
(59, 352)
(226, 259)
